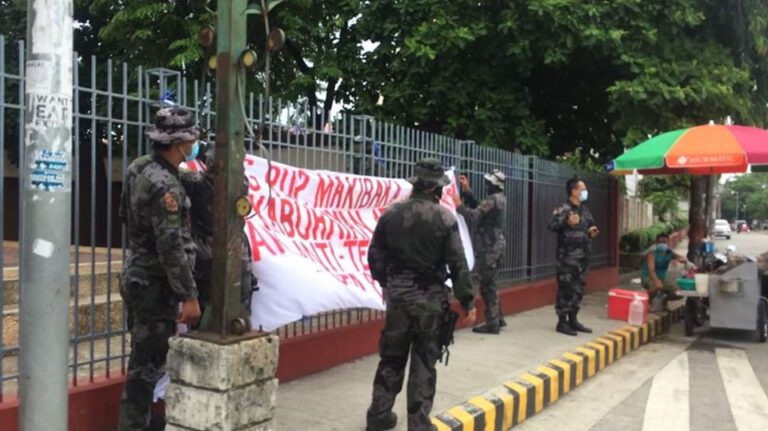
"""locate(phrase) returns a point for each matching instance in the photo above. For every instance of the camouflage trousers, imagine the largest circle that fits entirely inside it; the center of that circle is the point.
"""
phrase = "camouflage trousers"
(411, 329)
(149, 347)
(204, 269)
(487, 269)
(571, 279)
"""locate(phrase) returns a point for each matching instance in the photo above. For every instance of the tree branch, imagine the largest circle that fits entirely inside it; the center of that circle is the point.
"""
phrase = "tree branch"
(295, 52)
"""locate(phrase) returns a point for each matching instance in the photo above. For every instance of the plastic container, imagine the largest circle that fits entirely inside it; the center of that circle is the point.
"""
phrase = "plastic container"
(688, 284)
(619, 301)
(637, 312)
(702, 283)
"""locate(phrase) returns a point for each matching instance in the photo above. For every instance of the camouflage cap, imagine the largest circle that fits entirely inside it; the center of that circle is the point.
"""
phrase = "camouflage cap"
(429, 172)
(173, 124)
(496, 178)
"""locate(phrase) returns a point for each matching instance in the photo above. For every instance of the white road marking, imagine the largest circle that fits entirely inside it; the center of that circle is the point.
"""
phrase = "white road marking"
(668, 406)
(749, 404)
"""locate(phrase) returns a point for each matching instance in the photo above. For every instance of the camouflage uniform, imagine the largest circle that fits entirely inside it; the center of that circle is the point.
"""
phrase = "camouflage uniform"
(412, 244)
(199, 187)
(157, 275)
(574, 247)
(488, 220)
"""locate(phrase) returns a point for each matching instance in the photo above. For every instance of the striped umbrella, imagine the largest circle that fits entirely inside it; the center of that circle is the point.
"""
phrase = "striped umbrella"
(701, 150)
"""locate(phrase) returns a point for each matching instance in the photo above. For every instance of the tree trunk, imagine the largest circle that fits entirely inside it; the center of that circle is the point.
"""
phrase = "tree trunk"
(696, 215)
(712, 203)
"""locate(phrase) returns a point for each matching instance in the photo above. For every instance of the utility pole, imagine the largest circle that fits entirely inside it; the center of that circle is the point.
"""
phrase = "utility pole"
(47, 191)
(232, 62)
(226, 316)
(208, 394)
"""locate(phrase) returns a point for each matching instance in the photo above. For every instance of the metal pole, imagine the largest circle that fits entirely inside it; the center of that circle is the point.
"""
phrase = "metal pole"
(229, 173)
(47, 191)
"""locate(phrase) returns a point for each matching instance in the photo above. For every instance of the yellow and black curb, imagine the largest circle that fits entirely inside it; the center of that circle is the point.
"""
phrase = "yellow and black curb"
(517, 400)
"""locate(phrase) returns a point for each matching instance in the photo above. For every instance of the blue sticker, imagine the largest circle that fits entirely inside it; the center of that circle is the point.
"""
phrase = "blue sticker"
(48, 170)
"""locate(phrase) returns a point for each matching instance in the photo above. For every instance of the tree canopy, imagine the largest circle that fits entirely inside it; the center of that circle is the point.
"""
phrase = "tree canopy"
(748, 193)
(556, 78)
(665, 193)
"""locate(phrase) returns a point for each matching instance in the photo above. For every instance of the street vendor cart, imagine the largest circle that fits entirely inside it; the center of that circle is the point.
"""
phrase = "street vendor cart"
(731, 299)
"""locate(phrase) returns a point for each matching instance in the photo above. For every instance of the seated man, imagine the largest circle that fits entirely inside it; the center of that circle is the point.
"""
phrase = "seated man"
(655, 266)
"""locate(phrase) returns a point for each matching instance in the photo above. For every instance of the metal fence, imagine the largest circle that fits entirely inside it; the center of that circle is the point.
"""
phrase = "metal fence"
(112, 108)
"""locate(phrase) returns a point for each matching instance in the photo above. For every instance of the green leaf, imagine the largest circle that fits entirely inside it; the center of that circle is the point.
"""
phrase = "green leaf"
(272, 4)
(253, 9)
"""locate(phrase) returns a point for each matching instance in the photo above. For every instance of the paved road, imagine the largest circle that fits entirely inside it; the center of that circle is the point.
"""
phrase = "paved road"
(715, 381)
(753, 243)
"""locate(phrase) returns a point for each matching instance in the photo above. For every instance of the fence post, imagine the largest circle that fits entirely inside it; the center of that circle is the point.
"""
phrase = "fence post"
(46, 194)
(361, 139)
(461, 155)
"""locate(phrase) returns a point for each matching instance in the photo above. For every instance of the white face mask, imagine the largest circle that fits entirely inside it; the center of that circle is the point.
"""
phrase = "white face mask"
(583, 196)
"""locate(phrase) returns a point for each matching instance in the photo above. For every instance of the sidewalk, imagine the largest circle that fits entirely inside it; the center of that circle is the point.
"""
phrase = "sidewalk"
(338, 398)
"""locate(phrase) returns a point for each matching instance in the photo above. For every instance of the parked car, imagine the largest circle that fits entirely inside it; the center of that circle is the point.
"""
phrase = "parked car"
(722, 229)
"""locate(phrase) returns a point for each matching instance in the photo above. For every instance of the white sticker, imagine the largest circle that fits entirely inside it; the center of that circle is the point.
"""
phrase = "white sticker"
(42, 248)
(39, 76)
(50, 111)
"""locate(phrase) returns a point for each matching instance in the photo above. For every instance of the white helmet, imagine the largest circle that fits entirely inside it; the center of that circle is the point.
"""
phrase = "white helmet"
(496, 178)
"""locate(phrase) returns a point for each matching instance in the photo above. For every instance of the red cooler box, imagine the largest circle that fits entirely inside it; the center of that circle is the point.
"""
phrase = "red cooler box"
(619, 300)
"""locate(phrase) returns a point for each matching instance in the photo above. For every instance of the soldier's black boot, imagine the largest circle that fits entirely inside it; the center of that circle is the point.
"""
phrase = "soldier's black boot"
(576, 325)
(487, 328)
(381, 423)
(502, 323)
(564, 328)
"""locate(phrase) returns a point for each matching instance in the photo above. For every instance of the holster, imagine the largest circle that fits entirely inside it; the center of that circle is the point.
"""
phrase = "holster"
(447, 327)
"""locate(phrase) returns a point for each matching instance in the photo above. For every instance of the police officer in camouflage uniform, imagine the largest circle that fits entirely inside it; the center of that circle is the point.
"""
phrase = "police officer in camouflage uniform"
(413, 243)
(157, 275)
(575, 229)
(488, 219)
(199, 188)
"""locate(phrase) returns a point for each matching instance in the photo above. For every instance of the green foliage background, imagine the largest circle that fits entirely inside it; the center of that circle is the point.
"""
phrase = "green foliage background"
(578, 80)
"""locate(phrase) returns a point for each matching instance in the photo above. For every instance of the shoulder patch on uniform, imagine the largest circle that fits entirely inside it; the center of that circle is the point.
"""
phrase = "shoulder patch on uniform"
(171, 203)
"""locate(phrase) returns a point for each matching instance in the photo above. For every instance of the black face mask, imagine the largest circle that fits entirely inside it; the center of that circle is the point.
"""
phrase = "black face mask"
(490, 188)
(439, 193)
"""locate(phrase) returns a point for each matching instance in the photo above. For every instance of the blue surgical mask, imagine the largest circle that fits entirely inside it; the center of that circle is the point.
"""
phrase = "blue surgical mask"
(583, 196)
(193, 154)
(662, 247)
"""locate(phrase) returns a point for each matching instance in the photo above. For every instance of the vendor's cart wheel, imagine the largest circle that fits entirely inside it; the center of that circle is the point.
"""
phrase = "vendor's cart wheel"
(762, 320)
(691, 312)
(701, 312)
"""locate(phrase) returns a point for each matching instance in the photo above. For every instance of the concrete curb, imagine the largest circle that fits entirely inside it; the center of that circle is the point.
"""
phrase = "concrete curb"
(518, 399)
